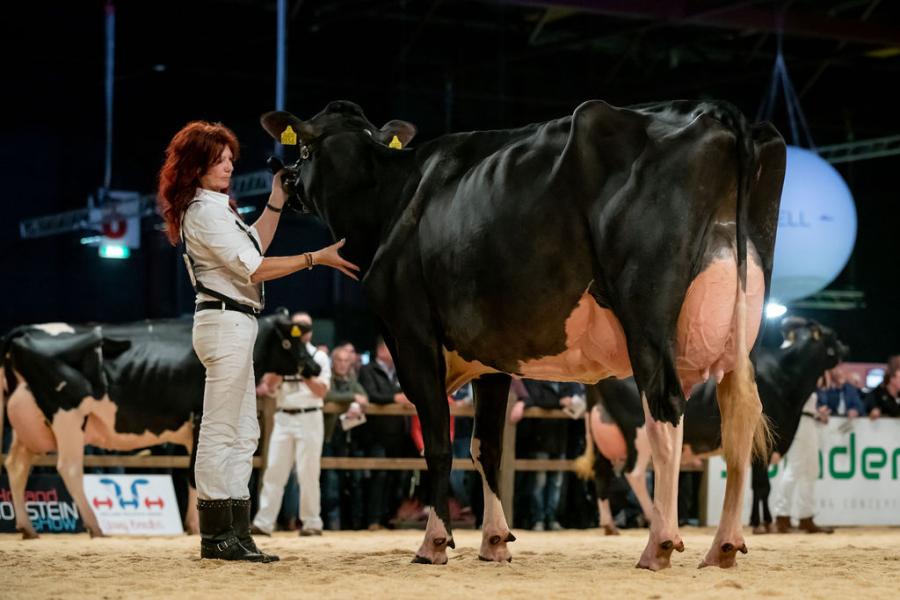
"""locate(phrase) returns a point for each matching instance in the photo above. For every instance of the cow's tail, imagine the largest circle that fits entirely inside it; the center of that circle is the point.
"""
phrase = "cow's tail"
(9, 375)
(737, 394)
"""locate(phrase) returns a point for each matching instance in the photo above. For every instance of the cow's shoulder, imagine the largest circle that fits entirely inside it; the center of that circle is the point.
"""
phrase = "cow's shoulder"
(599, 117)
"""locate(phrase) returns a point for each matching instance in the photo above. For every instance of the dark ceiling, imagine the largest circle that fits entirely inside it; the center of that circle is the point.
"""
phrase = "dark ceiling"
(443, 65)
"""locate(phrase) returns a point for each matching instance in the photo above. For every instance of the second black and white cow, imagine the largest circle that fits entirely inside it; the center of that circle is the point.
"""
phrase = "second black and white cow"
(785, 378)
(119, 387)
(607, 242)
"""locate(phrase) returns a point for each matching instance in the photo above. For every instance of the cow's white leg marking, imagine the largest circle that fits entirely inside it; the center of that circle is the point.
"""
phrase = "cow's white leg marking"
(495, 533)
(665, 443)
(18, 465)
(66, 427)
(637, 479)
(433, 550)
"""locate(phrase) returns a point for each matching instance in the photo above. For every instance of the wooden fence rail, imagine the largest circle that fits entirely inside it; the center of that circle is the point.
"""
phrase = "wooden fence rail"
(510, 464)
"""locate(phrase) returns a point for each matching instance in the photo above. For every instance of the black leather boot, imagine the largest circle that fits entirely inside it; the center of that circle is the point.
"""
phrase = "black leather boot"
(240, 516)
(217, 535)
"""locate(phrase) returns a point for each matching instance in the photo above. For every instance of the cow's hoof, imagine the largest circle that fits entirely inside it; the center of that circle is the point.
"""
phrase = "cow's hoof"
(611, 530)
(434, 552)
(724, 556)
(28, 533)
(659, 557)
(494, 547)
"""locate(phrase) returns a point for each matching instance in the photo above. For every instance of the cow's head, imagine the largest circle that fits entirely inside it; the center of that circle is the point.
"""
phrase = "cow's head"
(338, 141)
(808, 340)
(280, 347)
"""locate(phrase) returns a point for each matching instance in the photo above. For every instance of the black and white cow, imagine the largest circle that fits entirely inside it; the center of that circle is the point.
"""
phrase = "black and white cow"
(608, 242)
(785, 378)
(119, 387)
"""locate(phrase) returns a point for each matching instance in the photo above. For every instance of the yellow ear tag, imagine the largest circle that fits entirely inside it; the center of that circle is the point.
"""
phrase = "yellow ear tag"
(289, 136)
(395, 143)
(295, 331)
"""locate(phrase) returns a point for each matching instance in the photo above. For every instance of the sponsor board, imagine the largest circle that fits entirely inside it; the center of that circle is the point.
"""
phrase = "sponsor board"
(134, 504)
(49, 505)
(858, 481)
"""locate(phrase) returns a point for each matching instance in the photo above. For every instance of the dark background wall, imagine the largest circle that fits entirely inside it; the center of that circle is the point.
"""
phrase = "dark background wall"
(446, 66)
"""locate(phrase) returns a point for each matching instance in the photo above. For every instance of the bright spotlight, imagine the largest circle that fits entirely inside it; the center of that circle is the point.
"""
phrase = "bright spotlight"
(775, 310)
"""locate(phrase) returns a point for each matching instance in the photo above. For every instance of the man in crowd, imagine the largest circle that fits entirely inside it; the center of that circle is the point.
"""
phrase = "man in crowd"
(345, 389)
(797, 487)
(884, 400)
(839, 398)
(297, 437)
(383, 436)
(546, 439)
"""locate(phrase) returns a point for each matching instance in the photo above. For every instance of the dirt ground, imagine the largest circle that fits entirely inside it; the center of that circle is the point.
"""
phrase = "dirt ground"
(852, 563)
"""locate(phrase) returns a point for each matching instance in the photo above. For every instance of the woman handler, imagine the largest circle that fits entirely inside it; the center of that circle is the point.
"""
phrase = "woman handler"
(227, 264)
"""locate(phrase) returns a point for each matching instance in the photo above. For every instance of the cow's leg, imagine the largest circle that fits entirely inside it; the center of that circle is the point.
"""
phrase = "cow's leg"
(741, 422)
(665, 443)
(66, 427)
(637, 477)
(603, 475)
(491, 393)
(191, 516)
(18, 465)
(421, 371)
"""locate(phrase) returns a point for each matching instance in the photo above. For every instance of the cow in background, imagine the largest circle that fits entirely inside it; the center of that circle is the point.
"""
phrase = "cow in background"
(118, 387)
(785, 378)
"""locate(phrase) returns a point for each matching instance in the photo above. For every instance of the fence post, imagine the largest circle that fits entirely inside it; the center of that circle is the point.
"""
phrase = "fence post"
(508, 463)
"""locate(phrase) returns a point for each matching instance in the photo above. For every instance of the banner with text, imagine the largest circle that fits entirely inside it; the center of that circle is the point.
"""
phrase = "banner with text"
(857, 482)
(134, 504)
(48, 504)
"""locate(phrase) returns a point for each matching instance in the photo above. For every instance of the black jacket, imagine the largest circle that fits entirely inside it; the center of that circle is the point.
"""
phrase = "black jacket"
(545, 435)
(881, 399)
(381, 390)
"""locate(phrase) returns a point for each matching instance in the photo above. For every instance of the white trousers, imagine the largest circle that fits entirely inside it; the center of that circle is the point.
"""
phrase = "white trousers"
(296, 439)
(797, 488)
(229, 430)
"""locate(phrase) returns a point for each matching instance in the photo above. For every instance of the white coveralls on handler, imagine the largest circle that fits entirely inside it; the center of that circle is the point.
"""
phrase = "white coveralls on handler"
(225, 259)
(297, 437)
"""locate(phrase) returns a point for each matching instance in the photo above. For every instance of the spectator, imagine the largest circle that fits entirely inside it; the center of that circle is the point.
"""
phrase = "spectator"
(297, 437)
(345, 389)
(797, 487)
(884, 400)
(547, 439)
(839, 397)
(383, 435)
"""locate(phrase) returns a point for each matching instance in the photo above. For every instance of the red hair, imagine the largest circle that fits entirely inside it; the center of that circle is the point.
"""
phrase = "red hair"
(190, 154)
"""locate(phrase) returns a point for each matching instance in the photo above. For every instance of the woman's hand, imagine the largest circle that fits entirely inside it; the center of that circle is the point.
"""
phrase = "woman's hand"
(278, 196)
(330, 258)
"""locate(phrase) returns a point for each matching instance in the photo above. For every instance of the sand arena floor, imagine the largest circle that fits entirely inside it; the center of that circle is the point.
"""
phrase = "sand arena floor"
(852, 563)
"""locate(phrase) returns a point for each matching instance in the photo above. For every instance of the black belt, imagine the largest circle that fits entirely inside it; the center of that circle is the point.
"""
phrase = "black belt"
(222, 305)
(297, 411)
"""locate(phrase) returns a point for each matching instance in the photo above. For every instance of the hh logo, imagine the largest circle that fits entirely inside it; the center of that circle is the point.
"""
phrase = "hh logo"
(134, 501)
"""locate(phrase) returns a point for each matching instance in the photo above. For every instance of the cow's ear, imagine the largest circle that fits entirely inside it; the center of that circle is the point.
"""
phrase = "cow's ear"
(276, 123)
(403, 130)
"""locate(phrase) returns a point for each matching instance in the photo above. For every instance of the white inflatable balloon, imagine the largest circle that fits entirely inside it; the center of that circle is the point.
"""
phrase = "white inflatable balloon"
(816, 227)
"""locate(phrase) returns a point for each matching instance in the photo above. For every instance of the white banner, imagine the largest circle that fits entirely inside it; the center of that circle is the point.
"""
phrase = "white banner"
(134, 504)
(858, 480)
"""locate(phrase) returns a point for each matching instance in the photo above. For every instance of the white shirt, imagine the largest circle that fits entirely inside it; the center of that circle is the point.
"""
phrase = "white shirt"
(224, 257)
(294, 393)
